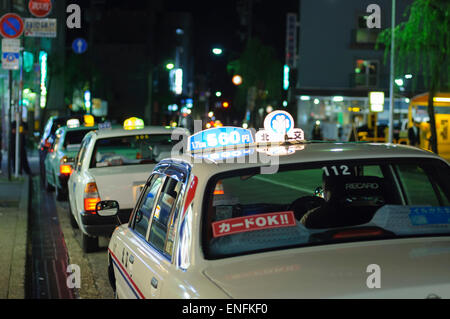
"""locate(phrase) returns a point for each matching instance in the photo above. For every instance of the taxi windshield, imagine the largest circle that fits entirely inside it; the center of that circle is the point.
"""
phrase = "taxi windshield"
(131, 150)
(322, 203)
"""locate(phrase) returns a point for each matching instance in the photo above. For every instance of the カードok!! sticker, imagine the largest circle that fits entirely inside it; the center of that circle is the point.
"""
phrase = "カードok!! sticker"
(252, 223)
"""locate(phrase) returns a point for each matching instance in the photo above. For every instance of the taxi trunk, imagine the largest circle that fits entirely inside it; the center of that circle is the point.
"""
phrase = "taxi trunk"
(402, 268)
(121, 183)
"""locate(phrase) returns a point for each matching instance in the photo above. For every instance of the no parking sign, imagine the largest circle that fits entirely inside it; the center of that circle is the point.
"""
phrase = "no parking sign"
(11, 26)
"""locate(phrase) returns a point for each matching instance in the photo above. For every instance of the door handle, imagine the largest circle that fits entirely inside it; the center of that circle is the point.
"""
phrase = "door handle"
(155, 283)
(131, 259)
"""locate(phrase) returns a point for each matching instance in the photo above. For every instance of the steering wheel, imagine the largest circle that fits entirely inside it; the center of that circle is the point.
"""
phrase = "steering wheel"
(304, 204)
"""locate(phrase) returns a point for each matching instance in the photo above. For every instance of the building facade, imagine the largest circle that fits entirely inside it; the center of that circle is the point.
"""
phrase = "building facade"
(339, 64)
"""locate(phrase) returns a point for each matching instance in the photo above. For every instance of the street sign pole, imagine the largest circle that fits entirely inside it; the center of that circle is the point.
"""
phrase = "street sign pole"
(391, 89)
(9, 125)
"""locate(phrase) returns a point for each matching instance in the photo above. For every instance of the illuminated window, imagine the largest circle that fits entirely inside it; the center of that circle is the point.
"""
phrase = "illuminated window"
(366, 73)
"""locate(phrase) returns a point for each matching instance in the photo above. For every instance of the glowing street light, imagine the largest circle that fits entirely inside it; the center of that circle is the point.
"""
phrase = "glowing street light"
(217, 51)
(237, 80)
(170, 66)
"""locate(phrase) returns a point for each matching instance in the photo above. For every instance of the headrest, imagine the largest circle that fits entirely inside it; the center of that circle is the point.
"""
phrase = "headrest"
(358, 191)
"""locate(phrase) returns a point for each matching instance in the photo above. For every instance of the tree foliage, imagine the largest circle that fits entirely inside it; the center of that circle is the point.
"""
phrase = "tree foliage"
(422, 45)
(260, 69)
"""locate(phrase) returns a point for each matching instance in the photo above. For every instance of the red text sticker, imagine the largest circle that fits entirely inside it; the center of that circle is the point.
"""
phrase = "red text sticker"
(252, 223)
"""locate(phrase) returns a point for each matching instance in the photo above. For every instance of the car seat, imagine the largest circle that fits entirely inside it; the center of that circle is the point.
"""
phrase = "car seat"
(353, 201)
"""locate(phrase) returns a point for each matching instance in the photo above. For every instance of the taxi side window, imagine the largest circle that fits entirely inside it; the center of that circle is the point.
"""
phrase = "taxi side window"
(417, 185)
(142, 216)
(162, 227)
(82, 153)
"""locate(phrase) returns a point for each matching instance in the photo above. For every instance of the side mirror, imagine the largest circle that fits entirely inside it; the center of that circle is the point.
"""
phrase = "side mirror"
(107, 208)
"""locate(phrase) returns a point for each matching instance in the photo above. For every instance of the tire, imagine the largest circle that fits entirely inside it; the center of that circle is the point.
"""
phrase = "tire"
(60, 195)
(73, 221)
(89, 244)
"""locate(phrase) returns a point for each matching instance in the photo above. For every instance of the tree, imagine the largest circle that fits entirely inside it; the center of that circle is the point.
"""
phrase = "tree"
(262, 74)
(422, 47)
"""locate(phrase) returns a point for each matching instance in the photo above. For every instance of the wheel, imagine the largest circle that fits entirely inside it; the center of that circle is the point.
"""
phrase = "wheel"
(73, 221)
(90, 244)
(60, 195)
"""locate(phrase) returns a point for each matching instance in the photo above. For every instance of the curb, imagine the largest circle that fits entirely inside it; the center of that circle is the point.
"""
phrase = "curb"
(16, 288)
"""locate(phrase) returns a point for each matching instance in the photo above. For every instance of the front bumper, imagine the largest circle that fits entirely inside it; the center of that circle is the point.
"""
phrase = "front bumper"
(96, 226)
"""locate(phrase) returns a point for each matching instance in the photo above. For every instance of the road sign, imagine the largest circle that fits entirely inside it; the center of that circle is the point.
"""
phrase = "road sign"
(10, 54)
(79, 45)
(10, 60)
(11, 45)
(376, 101)
(11, 26)
(40, 8)
(40, 28)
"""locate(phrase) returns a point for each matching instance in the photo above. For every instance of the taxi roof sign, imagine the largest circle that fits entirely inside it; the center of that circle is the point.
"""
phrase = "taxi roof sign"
(279, 126)
(133, 123)
(220, 137)
(89, 120)
(73, 123)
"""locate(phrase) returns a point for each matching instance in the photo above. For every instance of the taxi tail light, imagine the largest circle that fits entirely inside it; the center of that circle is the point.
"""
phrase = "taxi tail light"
(47, 144)
(219, 189)
(91, 198)
(65, 169)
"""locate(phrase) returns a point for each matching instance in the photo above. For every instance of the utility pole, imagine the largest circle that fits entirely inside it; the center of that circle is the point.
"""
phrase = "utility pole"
(391, 89)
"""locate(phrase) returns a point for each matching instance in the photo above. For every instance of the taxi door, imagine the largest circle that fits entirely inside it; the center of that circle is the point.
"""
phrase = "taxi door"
(129, 269)
(150, 256)
(75, 184)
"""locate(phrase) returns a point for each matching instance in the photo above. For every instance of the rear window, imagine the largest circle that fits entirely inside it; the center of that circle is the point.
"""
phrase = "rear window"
(73, 138)
(246, 212)
(131, 150)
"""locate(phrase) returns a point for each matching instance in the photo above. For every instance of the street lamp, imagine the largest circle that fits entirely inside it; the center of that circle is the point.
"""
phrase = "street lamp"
(237, 80)
(217, 51)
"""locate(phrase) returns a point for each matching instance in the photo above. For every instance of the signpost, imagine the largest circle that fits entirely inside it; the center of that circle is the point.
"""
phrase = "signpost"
(11, 26)
(40, 8)
(10, 54)
(40, 28)
(79, 46)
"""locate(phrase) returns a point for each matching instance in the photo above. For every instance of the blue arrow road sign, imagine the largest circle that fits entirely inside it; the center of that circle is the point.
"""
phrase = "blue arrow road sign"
(79, 45)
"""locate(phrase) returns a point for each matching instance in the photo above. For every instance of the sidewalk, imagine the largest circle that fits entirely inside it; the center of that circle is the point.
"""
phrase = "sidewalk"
(14, 207)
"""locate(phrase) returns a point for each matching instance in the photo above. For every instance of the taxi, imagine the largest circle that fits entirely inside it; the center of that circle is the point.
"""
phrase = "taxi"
(58, 163)
(267, 215)
(113, 163)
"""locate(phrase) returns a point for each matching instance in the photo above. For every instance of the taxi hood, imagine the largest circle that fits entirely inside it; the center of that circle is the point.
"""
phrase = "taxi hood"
(408, 268)
(121, 183)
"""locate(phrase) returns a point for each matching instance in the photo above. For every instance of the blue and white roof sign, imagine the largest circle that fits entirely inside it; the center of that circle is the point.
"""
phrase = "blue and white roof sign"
(277, 126)
(219, 137)
(79, 45)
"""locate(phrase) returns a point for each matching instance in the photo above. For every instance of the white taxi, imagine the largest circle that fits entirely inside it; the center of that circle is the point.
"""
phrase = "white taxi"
(112, 163)
(285, 221)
